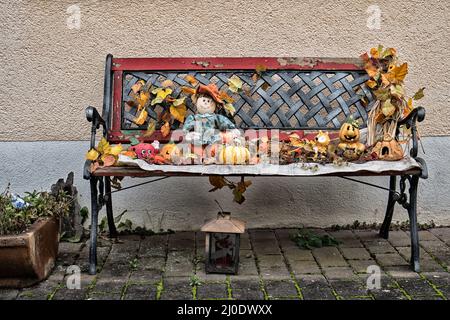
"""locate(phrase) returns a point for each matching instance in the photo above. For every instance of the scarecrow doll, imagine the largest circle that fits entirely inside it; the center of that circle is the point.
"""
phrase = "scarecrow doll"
(203, 129)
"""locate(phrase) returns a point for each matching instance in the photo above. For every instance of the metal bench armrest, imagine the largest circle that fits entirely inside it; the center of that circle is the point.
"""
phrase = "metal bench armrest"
(93, 116)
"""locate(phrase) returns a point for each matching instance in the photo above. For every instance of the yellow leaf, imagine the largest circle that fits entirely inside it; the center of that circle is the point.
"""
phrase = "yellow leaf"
(388, 109)
(150, 128)
(165, 129)
(371, 83)
(167, 83)
(143, 99)
(137, 86)
(141, 118)
(225, 96)
(191, 79)
(389, 52)
(371, 70)
(115, 150)
(374, 53)
(103, 146)
(230, 108)
(92, 155)
(178, 112)
(162, 93)
(408, 108)
(397, 91)
(235, 84)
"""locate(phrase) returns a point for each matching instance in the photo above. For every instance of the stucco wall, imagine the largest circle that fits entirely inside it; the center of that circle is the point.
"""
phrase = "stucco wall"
(50, 73)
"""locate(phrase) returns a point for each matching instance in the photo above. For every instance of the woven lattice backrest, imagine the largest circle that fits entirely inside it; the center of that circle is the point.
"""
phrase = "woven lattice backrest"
(279, 99)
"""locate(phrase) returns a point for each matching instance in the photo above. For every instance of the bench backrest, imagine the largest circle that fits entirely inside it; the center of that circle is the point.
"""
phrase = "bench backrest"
(292, 94)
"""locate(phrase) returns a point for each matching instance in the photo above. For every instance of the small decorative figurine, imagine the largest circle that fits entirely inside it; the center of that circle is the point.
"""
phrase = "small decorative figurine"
(202, 128)
(349, 135)
(389, 149)
(322, 140)
(145, 150)
(170, 152)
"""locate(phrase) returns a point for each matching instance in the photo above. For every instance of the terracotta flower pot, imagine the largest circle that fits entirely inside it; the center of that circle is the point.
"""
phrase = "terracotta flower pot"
(29, 257)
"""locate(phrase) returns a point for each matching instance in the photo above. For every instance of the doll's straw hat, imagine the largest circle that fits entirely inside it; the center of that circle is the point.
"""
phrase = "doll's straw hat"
(212, 90)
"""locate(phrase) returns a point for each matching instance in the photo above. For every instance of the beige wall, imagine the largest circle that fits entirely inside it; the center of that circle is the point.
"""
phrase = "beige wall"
(50, 73)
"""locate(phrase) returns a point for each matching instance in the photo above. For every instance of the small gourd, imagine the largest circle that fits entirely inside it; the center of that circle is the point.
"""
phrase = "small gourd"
(233, 155)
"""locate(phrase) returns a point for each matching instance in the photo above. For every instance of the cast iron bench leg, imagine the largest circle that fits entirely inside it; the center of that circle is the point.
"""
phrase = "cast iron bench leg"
(384, 230)
(94, 223)
(412, 212)
(109, 209)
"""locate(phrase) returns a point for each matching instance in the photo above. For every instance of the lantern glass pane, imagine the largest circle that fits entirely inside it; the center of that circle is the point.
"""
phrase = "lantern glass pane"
(223, 250)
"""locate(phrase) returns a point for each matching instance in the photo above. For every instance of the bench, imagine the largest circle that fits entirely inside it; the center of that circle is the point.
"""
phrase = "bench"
(291, 94)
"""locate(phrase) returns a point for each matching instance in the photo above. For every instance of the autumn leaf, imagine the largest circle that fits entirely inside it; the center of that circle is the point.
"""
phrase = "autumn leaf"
(419, 94)
(235, 84)
(371, 83)
(108, 160)
(260, 68)
(389, 52)
(165, 129)
(364, 57)
(103, 146)
(381, 94)
(115, 150)
(225, 96)
(408, 108)
(191, 79)
(137, 86)
(187, 90)
(161, 94)
(167, 83)
(230, 108)
(143, 99)
(396, 75)
(397, 91)
(218, 182)
(150, 128)
(371, 70)
(92, 155)
(388, 109)
(374, 53)
(178, 112)
(179, 101)
(141, 118)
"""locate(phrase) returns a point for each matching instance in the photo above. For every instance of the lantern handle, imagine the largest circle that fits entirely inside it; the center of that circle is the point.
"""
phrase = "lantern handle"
(220, 207)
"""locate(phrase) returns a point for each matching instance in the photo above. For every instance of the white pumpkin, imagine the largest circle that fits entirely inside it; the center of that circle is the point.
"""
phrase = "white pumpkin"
(233, 155)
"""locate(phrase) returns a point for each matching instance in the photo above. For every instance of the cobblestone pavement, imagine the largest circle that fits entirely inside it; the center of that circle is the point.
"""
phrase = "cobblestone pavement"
(271, 267)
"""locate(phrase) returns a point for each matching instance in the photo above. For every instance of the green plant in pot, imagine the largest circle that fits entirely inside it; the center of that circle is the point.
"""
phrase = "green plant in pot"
(29, 236)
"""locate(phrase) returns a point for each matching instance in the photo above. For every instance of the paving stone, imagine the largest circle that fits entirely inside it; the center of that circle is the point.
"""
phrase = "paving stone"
(355, 253)
(126, 247)
(360, 266)
(179, 264)
(104, 296)
(427, 263)
(115, 269)
(441, 280)
(426, 235)
(380, 247)
(390, 259)
(442, 233)
(280, 288)
(246, 289)
(329, 257)
(399, 238)
(210, 277)
(176, 289)
(109, 285)
(339, 273)
(401, 272)
(215, 290)
(153, 246)
(304, 267)
(148, 269)
(367, 235)
(347, 238)
(274, 272)
(297, 254)
(247, 265)
(266, 247)
(271, 260)
(388, 294)
(140, 291)
(68, 253)
(70, 294)
(41, 291)
(315, 287)
(348, 289)
(285, 233)
(181, 241)
(262, 234)
(8, 294)
(83, 259)
(416, 287)
(244, 242)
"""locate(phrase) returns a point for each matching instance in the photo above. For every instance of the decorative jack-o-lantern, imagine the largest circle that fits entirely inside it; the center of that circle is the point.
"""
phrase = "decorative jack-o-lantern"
(349, 135)
(170, 152)
(233, 155)
(388, 149)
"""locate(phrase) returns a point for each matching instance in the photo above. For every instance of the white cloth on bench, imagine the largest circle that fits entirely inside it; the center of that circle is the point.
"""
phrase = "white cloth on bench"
(293, 169)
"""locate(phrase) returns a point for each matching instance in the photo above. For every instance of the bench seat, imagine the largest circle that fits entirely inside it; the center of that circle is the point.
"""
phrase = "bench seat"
(140, 168)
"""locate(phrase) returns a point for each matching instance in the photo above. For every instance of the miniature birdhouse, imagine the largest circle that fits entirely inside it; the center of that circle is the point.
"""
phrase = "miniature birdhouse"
(388, 149)
(222, 243)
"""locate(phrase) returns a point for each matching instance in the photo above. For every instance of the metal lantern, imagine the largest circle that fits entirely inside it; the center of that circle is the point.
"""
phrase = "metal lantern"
(222, 243)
